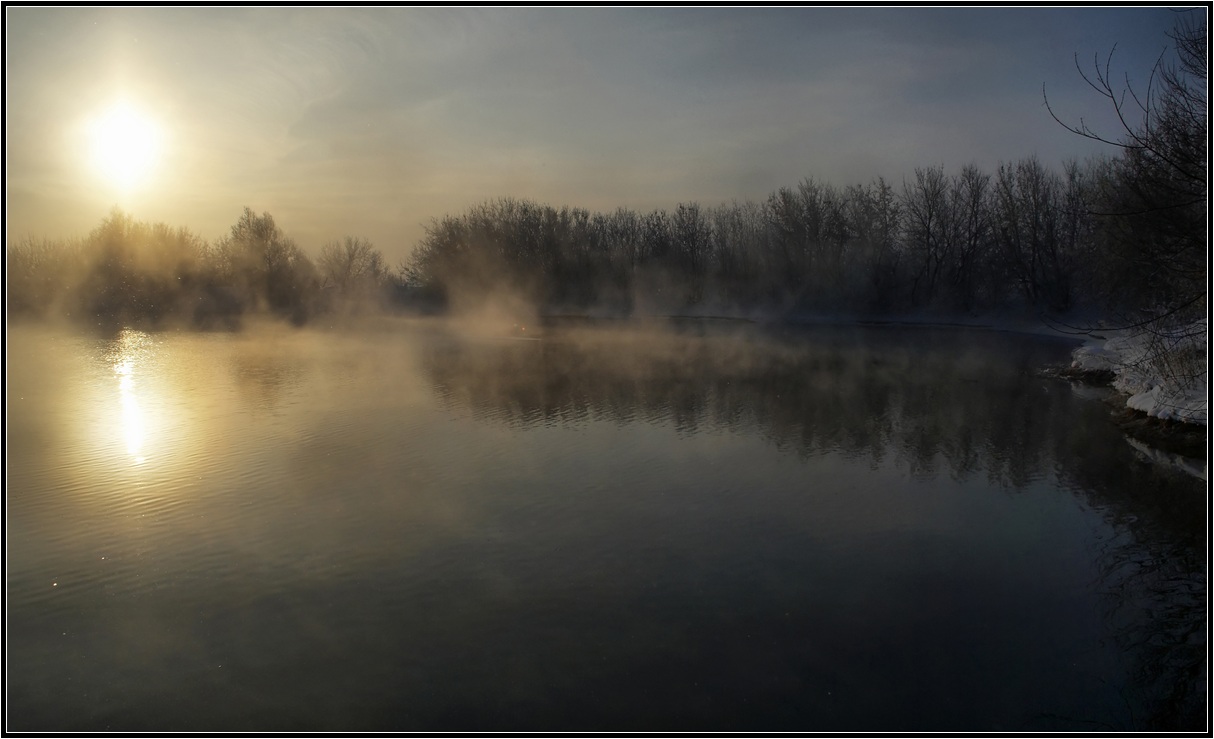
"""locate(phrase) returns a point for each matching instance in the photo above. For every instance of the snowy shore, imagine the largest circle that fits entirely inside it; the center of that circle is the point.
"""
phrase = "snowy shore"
(1142, 374)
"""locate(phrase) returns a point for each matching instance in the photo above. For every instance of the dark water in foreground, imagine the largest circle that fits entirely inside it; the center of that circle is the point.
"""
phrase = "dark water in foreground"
(417, 529)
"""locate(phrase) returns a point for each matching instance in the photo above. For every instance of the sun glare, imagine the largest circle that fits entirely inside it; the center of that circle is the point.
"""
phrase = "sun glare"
(124, 146)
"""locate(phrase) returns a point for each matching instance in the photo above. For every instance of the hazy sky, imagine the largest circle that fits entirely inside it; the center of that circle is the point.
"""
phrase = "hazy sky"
(372, 121)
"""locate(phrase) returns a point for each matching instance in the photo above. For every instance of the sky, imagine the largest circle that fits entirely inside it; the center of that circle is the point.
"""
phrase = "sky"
(372, 122)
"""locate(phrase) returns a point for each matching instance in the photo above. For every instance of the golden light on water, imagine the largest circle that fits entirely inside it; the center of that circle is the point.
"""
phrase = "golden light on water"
(125, 146)
(132, 351)
(133, 426)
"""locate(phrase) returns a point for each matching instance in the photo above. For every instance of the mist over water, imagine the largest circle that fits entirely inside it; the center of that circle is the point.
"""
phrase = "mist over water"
(662, 525)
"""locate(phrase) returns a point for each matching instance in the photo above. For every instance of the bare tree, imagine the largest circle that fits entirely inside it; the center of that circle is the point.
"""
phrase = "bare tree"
(266, 267)
(929, 230)
(1152, 215)
(1029, 232)
(1157, 204)
(352, 274)
(350, 264)
(970, 208)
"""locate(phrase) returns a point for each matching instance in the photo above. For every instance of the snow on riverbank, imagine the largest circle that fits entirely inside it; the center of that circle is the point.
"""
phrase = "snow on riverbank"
(1140, 371)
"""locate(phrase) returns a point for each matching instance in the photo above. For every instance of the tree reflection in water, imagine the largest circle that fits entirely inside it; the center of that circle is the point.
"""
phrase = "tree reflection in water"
(1153, 575)
(950, 402)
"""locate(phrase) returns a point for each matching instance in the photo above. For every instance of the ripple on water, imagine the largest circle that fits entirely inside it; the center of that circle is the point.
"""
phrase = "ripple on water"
(456, 522)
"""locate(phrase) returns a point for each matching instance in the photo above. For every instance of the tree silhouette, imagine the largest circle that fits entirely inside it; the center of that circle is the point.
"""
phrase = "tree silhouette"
(1155, 211)
(265, 268)
(353, 271)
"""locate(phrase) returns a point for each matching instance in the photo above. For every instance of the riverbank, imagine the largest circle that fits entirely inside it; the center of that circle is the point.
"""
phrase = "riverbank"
(1159, 398)
(1175, 437)
(1169, 383)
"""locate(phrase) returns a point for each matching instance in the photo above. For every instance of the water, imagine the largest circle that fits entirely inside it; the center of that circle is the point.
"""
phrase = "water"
(414, 527)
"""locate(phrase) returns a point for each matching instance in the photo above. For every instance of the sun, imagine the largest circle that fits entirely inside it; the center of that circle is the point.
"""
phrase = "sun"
(125, 146)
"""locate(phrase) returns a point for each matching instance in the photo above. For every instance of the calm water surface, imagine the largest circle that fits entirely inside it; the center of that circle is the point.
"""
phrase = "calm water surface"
(415, 527)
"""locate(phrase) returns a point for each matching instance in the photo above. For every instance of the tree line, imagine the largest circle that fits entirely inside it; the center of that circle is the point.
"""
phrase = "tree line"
(1024, 238)
(968, 242)
(131, 272)
(1122, 237)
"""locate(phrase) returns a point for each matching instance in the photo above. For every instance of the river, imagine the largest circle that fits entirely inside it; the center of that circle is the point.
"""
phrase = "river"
(414, 525)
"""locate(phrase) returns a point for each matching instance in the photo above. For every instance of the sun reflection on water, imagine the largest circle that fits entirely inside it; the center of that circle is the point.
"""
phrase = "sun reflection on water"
(133, 427)
(131, 354)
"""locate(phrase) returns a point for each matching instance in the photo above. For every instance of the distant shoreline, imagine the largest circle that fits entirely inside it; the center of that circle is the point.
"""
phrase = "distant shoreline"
(1011, 326)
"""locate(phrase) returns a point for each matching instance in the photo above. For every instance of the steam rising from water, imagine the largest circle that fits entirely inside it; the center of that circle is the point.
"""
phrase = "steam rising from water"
(596, 504)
